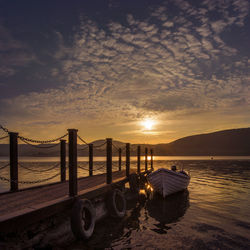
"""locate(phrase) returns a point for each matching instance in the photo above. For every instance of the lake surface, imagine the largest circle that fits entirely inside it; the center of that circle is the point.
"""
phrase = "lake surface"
(212, 214)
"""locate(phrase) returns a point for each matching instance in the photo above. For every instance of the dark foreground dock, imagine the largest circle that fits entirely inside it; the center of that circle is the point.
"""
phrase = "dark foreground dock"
(19, 209)
(83, 200)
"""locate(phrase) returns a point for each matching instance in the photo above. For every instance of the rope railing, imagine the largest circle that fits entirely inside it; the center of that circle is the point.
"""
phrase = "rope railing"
(5, 166)
(39, 171)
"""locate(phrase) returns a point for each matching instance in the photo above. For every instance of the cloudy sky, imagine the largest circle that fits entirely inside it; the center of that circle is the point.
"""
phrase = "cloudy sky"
(104, 67)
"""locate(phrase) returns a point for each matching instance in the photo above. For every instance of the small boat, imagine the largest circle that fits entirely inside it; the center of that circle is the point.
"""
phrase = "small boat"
(166, 182)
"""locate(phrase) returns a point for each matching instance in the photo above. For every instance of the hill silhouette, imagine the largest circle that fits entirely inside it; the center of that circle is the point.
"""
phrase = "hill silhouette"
(226, 142)
(234, 142)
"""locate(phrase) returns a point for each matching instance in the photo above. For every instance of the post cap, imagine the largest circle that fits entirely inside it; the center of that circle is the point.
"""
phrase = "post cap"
(13, 133)
(72, 129)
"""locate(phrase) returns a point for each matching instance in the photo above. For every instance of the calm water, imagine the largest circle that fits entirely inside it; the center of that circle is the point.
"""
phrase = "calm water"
(212, 214)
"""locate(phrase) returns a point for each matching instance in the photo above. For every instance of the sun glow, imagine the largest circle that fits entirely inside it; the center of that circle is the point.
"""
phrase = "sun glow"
(148, 124)
(149, 158)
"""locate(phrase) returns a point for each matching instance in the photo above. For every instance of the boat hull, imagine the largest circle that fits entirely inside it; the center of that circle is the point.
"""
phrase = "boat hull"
(167, 182)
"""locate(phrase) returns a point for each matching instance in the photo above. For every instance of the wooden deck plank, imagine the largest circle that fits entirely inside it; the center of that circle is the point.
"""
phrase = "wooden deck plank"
(26, 207)
(12, 202)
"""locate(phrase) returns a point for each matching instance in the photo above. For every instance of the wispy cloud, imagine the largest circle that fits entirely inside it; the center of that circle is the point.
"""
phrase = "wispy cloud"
(164, 64)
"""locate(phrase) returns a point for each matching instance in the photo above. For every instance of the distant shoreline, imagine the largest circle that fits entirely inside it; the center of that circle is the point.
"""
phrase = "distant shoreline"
(133, 158)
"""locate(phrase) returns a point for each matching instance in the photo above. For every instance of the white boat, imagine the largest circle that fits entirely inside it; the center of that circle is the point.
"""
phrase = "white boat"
(166, 182)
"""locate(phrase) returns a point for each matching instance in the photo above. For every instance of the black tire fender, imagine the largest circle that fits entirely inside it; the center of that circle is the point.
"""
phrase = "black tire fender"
(116, 203)
(83, 219)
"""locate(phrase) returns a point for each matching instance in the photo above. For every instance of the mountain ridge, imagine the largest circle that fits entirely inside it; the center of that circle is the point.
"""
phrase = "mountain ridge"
(235, 142)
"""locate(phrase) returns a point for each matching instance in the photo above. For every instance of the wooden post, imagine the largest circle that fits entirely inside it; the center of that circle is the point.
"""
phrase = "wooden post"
(151, 159)
(90, 159)
(138, 159)
(127, 159)
(109, 161)
(120, 159)
(146, 159)
(63, 159)
(13, 161)
(72, 162)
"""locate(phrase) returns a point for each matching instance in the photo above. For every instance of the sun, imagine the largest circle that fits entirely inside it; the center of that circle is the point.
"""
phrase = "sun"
(148, 124)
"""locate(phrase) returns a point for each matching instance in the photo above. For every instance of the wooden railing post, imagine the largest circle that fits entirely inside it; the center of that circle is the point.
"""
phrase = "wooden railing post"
(72, 162)
(120, 159)
(13, 161)
(63, 159)
(90, 159)
(127, 159)
(146, 159)
(109, 161)
(151, 158)
(138, 159)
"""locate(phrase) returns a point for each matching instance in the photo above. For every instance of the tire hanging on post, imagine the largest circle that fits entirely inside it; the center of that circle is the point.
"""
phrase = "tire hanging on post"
(116, 203)
(83, 219)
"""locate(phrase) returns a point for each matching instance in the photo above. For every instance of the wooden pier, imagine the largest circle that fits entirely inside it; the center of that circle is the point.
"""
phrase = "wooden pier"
(21, 208)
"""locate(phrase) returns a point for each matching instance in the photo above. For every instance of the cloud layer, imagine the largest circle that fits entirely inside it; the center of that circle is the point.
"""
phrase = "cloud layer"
(171, 65)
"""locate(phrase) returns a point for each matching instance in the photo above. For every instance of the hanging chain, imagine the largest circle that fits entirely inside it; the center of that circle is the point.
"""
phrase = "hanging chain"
(1, 138)
(30, 182)
(94, 169)
(5, 166)
(101, 167)
(94, 146)
(39, 171)
(4, 129)
(32, 140)
(83, 168)
(37, 146)
(82, 149)
(115, 146)
(98, 146)
(41, 142)
(79, 137)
